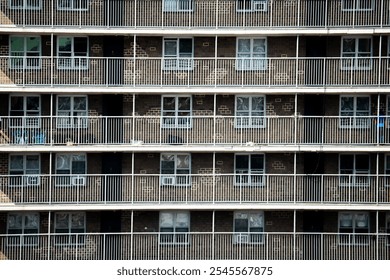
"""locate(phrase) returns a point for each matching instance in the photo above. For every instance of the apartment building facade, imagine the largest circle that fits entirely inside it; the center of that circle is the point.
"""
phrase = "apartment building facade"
(194, 129)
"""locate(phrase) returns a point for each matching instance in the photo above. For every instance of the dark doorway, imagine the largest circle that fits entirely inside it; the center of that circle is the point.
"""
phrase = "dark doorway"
(113, 51)
(112, 182)
(315, 53)
(110, 223)
(313, 222)
(113, 127)
(313, 168)
(114, 11)
(313, 121)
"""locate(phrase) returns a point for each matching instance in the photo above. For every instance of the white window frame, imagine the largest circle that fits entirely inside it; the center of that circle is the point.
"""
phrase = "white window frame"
(17, 239)
(72, 62)
(358, 119)
(69, 237)
(70, 179)
(25, 5)
(175, 236)
(248, 177)
(357, 6)
(72, 118)
(354, 177)
(25, 59)
(249, 118)
(176, 118)
(72, 6)
(24, 118)
(24, 177)
(254, 6)
(177, 6)
(248, 236)
(354, 237)
(178, 61)
(351, 60)
(251, 60)
(181, 177)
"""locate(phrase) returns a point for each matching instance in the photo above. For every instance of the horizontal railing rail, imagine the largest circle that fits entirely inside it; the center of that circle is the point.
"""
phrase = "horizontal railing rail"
(195, 245)
(194, 130)
(194, 72)
(219, 14)
(324, 189)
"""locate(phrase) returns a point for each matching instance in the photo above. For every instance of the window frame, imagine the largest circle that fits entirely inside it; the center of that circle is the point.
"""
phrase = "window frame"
(175, 237)
(25, 6)
(72, 6)
(72, 58)
(356, 6)
(175, 6)
(24, 118)
(178, 61)
(25, 55)
(71, 120)
(251, 177)
(166, 120)
(252, 5)
(252, 120)
(176, 179)
(355, 56)
(354, 177)
(70, 234)
(22, 177)
(21, 238)
(354, 120)
(258, 61)
(71, 179)
(248, 237)
(353, 237)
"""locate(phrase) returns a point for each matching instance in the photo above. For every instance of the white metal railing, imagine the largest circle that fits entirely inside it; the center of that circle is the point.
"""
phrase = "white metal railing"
(199, 130)
(197, 245)
(199, 188)
(204, 72)
(201, 14)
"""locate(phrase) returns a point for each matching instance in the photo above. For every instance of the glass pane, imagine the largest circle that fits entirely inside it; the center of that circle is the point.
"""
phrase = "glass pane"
(184, 103)
(257, 162)
(182, 220)
(16, 163)
(31, 221)
(185, 46)
(80, 103)
(63, 103)
(361, 220)
(256, 220)
(363, 103)
(65, 44)
(170, 48)
(242, 103)
(362, 162)
(32, 103)
(346, 220)
(364, 45)
(241, 225)
(169, 103)
(257, 103)
(244, 45)
(62, 220)
(183, 161)
(63, 162)
(17, 103)
(78, 167)
(242, 162)
(33, 44)
(166, 220)
(346, 104)
(80, 46)
(17, 44)
(15, 221)
(259, 45)
(346, 162)
(32, 162)
(77, 220)
(349, 45)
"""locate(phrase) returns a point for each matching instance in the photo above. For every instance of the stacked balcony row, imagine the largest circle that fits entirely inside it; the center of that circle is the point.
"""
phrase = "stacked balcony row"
(173, 14)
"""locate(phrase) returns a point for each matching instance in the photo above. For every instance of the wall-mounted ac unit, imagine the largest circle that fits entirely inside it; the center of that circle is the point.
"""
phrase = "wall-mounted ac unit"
(32, 180)
(78, 181)
(167, 180)
(259, 5)
(242, 239)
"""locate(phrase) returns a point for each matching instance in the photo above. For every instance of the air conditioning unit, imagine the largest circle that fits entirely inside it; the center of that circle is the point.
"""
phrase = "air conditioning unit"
(242, 239)
(259, 5)
(167, 180)
(32, 180)
(78, 181)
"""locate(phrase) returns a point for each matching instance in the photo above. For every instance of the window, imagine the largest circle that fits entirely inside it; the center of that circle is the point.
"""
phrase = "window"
(251, 54)
(74, 166)
(25, 225)
(178, 53)
(72, 5)
(174, 227)
(250, 111)
(176, 111)
(25, 4)
(26, 111)
(248, 227)
(356, 53)
(69, 228)
(354, 111)
(72, 111)
(353, 228)
(251, 5)
(175, 170)
(178, 5)
(72, 52)
(357, 5)
(24, 170)
(249, 170)
(354, 170)
(25, 52)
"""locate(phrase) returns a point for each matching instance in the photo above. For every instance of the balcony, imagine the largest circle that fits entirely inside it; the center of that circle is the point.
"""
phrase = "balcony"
(204, 75)
(141, 132)
(200, 246)
(135, 15)
(206, 189)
